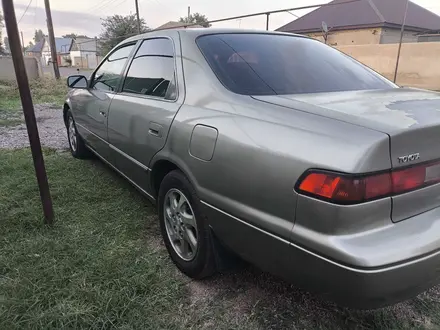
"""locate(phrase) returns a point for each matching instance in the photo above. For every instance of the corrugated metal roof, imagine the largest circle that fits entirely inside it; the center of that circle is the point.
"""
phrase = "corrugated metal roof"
(85, 44)
(63, 44)
(37, 48)
(365, 13)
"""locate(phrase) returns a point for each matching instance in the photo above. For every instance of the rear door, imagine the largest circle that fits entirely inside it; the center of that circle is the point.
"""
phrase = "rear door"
(140, 115)
(93, 103)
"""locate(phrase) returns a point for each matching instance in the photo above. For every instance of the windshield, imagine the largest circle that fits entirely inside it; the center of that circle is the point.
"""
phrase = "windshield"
(268, 64)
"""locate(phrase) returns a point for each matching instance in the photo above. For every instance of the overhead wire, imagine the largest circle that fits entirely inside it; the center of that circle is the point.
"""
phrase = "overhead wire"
(25, 11)
(101, 5)
(242, 16)
(120, 3)
(35, 11)
(112, 3)
(95, 6)
(292, 14)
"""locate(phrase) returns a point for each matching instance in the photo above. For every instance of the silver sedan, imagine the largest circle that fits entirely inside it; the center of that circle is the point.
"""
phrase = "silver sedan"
(276, 147)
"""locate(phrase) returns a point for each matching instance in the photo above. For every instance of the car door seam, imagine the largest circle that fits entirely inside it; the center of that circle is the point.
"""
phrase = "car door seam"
(94, 134)
(133, 160)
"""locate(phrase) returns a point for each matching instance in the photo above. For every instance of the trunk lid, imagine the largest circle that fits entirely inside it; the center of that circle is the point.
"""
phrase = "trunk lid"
(410, 117)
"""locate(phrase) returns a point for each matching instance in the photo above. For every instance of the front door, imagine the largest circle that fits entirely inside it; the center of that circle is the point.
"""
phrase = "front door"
(141, 115)
(93, 104)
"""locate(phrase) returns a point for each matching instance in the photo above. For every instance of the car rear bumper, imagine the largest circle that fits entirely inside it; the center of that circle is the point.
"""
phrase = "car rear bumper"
(355, 286)
(364, 288)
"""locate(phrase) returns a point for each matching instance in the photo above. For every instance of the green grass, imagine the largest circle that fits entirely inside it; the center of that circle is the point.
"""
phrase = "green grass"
(10, 122)
(102, 266)
(45, 90)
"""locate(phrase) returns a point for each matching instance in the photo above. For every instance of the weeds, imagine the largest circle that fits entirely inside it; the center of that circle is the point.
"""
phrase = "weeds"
(45, 90)
(103, 266)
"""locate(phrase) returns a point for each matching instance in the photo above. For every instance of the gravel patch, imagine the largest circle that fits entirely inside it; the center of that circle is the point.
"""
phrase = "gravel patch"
(50, 127)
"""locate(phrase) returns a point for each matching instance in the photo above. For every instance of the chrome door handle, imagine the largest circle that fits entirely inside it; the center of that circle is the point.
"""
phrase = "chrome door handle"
(102, 113)
(155, 129)
(153, 132)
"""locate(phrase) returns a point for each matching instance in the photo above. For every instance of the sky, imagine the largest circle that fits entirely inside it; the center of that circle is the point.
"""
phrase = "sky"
(84, 16)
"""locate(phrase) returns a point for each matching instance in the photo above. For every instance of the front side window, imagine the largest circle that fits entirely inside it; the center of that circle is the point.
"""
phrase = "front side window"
(268, 64)
(152, 70)
(108, 76)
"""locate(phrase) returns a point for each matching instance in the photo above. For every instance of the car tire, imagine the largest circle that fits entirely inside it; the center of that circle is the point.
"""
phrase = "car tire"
(77, 145)
(178, 230)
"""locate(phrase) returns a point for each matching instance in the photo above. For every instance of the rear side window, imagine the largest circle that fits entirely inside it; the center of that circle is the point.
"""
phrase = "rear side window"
(267, 64)
(152, 70)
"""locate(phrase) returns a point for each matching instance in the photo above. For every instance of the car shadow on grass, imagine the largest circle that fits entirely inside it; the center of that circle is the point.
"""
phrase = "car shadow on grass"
(245, 297)
(271, 303)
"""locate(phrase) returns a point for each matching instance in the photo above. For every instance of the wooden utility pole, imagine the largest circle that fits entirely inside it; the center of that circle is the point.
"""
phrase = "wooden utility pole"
(137, 15)
(189, 15)
(22, 41)
(52, 44)
(28, 108)
(402, 30)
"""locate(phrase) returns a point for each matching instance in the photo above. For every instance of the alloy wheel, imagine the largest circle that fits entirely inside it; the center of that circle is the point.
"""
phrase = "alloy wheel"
(180, 224)
(72, 135)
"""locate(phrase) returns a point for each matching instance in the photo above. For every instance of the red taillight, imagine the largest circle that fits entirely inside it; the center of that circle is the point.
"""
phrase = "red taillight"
(347, 189)
(320, 184)
(409, 179)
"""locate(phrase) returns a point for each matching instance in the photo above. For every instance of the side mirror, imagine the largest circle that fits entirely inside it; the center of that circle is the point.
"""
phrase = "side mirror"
(77, 81)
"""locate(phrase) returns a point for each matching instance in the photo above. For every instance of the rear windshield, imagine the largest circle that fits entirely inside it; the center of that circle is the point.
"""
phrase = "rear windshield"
(265, 64)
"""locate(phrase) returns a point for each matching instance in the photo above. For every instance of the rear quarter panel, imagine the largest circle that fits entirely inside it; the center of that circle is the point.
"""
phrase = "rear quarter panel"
(261, 149)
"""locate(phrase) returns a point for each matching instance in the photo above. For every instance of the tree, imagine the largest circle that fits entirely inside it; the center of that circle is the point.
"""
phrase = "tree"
(6, 45)
(30, 45)
(116, 28)
(2, 49)
(39, 35)
(74, 36)
(196, 18)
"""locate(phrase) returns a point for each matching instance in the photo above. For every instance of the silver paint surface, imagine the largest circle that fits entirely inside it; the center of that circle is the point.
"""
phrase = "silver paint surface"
(263, 144)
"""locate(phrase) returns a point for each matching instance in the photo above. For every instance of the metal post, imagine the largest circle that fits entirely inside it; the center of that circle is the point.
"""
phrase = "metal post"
(267, 21)
(80, 56)
(96, 52)
(137, 15)
(402, 30)
(53, 48)
(333, 3)
(22, 41)
(188, 19)
(28, 109)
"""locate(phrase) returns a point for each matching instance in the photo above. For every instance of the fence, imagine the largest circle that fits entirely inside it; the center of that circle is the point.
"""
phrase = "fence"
(419, 64)
(7, 72)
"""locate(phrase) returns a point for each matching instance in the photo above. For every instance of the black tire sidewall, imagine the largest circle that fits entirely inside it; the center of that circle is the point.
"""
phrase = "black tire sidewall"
(203, 263)
(81, 150)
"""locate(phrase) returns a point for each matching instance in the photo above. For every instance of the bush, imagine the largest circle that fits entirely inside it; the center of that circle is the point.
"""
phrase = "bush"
(68, 60)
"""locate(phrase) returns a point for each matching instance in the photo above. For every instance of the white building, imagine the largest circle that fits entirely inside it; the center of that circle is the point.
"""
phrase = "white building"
(83, 53)
(42, 50)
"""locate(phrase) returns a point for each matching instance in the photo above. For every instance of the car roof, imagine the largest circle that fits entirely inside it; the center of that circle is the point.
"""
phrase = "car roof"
(195, 32)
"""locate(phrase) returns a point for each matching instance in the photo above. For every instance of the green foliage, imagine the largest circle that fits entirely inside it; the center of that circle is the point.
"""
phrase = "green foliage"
(6, 44)
(103, 266)
(116, 28)
(30, 45)
(94, 269)
(44, 90)
(38, 35)
(68, 60)
(196, 18)
(2, 48)
(74, 36)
